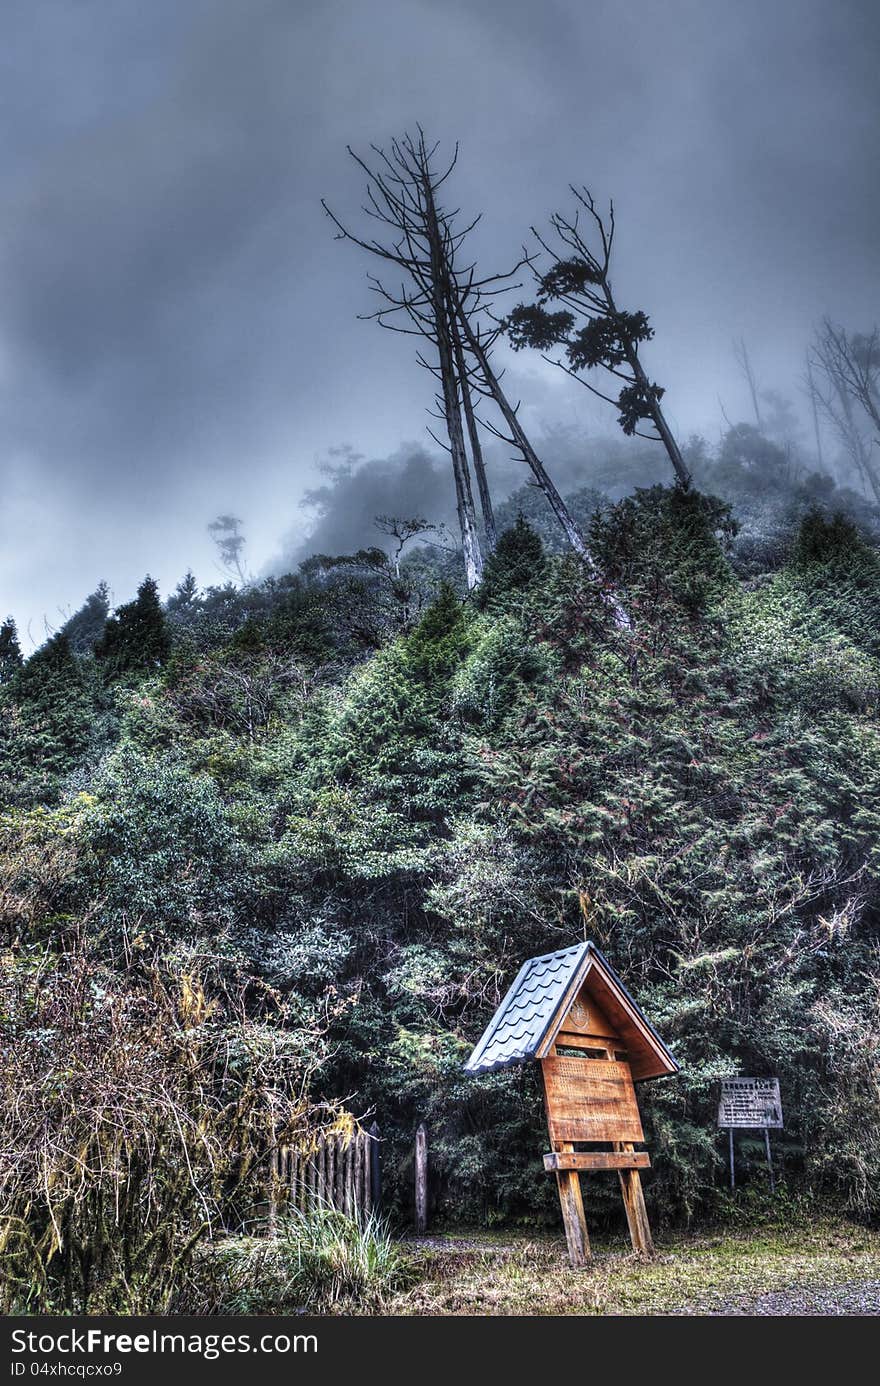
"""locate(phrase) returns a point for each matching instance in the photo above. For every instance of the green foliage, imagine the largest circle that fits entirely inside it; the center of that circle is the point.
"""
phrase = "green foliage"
(52, 703)
(830, 541)
(516, 563)
(135, 1109)
(376, 807)
(10, 651)
(85, 627)
(135, 639)
(165, 858)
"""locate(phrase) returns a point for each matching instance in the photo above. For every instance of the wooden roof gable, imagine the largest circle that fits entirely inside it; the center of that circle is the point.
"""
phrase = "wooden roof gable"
(545, 989)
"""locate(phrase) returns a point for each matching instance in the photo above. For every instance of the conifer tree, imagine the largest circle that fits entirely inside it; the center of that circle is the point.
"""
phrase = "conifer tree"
(591, 329)
(136, 639)
(86, 626)
(55, 707)
(517, 562)
(10, 650)
(185, 595)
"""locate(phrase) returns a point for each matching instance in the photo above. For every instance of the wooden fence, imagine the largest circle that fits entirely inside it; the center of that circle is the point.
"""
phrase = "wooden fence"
(339, 1172)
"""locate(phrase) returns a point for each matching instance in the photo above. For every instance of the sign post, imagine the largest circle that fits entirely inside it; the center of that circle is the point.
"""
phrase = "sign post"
(750, 1104)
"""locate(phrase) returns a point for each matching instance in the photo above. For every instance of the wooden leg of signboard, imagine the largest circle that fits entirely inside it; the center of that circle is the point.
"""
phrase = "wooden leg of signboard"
(572, 1204)
(769, 1159)
(634, 1204)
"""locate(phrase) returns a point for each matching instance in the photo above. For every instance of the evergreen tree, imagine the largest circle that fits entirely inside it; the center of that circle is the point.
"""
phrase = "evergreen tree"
(10, 650)
(55, 707)
(184, 597)
(823, 540)
(86, 627)
(136, 639)
(516, 563)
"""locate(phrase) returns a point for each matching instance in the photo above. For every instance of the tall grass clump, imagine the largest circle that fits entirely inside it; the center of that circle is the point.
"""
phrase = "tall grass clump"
(321, 1260)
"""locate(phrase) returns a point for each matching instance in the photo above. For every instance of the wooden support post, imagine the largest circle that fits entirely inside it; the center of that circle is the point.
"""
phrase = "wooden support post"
(634, 1204)
(769, 1159)
(421, 1177)
(572, 1204)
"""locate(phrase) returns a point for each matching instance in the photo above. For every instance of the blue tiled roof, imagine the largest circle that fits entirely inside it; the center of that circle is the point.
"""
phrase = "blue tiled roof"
(521, 1021)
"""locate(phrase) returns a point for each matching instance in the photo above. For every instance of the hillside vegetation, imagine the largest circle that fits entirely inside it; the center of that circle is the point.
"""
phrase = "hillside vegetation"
(298, 837)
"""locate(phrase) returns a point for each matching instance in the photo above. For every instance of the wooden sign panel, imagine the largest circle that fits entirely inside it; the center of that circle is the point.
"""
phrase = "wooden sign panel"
(585, 1018)
(751, 1103)
(590, 1100)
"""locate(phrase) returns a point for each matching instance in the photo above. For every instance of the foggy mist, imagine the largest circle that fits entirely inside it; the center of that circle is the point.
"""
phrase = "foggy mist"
(179, 330)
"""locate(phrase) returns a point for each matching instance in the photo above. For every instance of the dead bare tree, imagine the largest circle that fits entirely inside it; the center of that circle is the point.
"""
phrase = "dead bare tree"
(855, 360)
(810, 384)
(402, 192)
(227, 534)
(843, 379)
(470, 301)
(445, 303)
(589, 327)
(467, 401)
(404, 529)
(743, 360)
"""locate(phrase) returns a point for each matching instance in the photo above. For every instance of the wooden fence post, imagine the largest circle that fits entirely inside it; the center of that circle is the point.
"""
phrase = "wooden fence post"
(361, 1182)
(341, 1171)
(322, 1172)
(273, 1191)
(331, 1172)
(375, 1168)
(349, 1177)
(293, 1193)
(339, 1194)
(421, 1174)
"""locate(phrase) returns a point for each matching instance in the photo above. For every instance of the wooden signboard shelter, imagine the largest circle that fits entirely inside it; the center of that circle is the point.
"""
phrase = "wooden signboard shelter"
(570, 1012)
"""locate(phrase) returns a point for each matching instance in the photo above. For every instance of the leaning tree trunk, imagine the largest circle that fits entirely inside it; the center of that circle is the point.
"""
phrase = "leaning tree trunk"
(658, 418)
(557, 504)
(473, 434)
(853, 438)
(470, 543)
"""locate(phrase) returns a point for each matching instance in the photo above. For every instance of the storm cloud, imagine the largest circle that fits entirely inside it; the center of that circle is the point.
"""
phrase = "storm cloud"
(178, 332)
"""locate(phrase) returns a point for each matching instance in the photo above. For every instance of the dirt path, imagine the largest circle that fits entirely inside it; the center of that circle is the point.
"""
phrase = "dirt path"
(827, 1269)
(854, 1297)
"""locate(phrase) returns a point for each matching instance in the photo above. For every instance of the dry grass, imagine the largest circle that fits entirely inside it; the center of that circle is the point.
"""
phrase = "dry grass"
(472, 1274)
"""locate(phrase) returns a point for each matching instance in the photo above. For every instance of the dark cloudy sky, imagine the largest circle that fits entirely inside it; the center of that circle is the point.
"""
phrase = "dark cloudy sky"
(177, 334)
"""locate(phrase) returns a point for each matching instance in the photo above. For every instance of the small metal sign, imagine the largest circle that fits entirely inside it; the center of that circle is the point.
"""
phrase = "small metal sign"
(751, 1103)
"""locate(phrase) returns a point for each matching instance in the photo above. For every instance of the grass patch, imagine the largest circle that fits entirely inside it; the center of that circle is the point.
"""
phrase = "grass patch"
(690, 1274)
(321, 1261)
